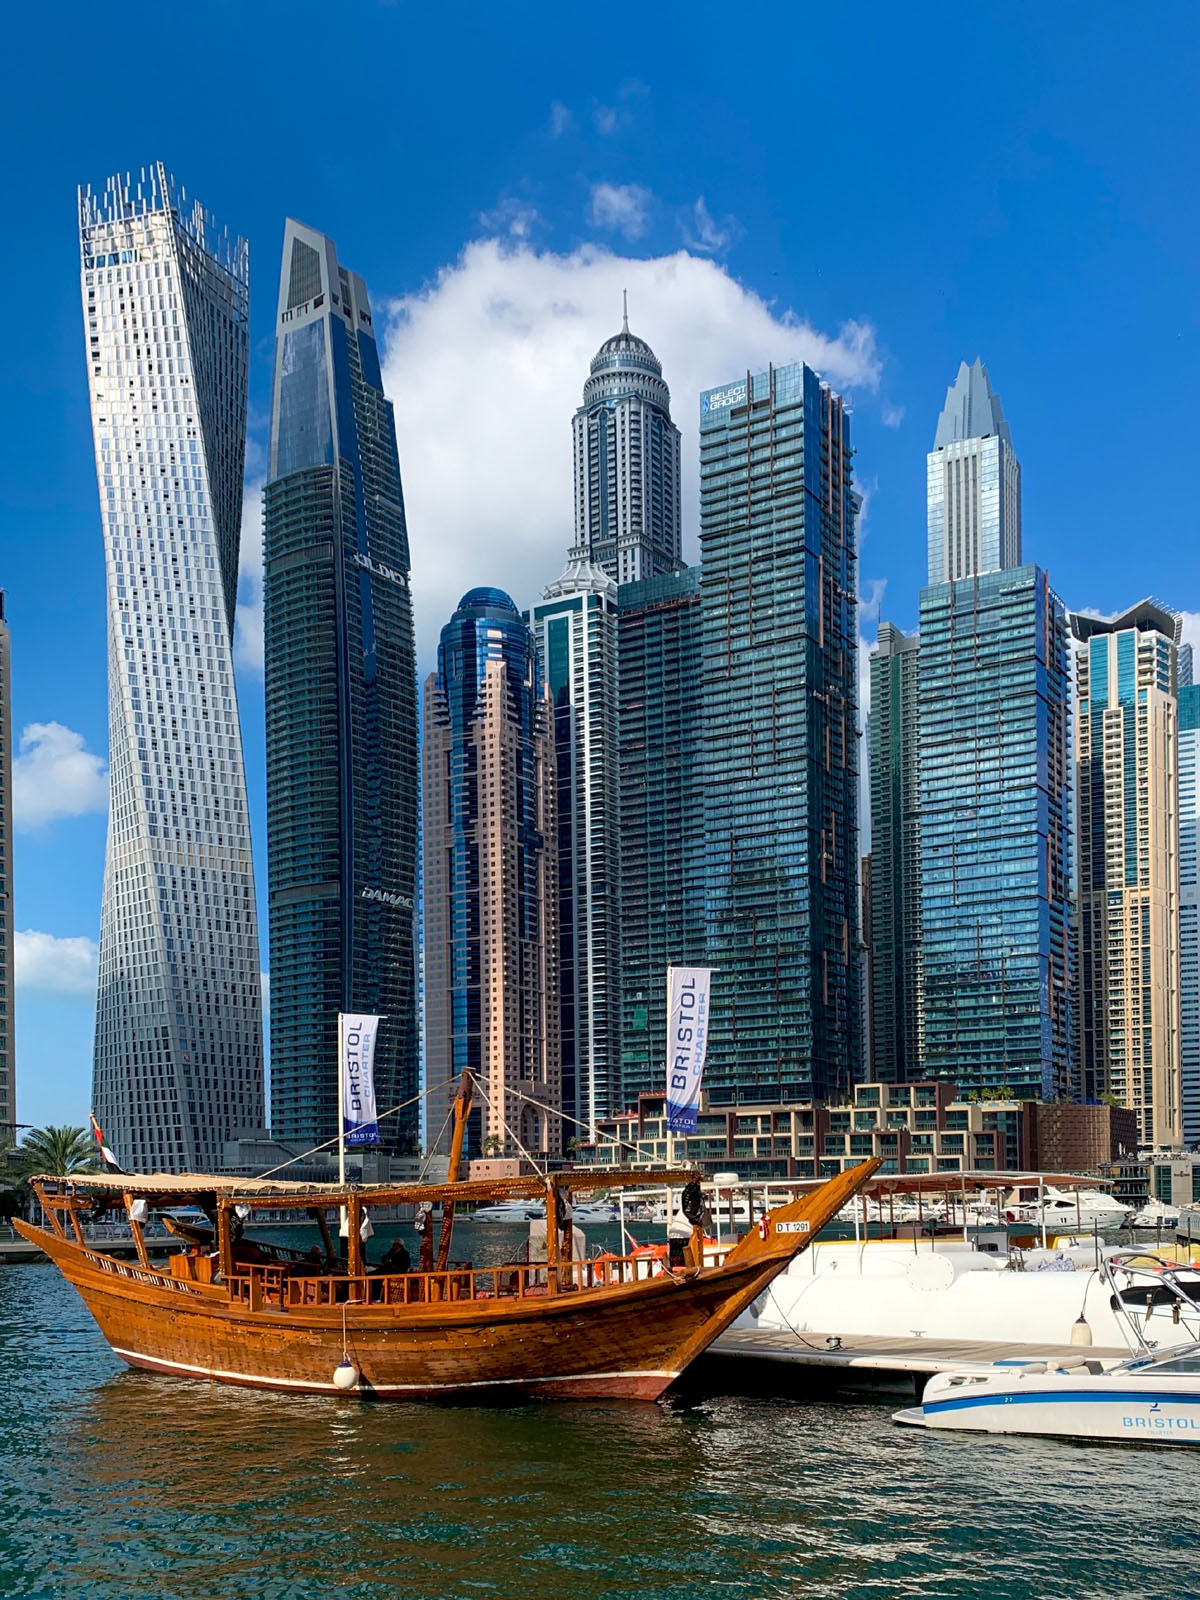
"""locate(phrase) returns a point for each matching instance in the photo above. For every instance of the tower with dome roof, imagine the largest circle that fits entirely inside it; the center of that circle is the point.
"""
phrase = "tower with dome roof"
(627, 464)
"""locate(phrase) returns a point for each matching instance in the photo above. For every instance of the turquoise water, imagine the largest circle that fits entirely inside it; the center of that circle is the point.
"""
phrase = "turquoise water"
(116, 1485)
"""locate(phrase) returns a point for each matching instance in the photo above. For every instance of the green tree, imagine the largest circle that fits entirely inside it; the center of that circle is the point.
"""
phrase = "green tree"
(56, 1152)
(493, 1144)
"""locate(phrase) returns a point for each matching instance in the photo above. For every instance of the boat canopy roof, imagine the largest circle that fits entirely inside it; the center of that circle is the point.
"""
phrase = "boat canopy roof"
(177, 1188)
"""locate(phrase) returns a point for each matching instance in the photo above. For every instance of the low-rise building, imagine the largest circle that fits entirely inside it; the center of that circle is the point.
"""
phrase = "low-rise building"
(913, 1128)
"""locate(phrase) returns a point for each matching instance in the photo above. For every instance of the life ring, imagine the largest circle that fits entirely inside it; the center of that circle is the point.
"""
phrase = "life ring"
(764, 1228)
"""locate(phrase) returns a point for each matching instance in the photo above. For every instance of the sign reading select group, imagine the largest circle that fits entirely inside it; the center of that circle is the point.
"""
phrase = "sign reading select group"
(687, 1039)
(715, 401)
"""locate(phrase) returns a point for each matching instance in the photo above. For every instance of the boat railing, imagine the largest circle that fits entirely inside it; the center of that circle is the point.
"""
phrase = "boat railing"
(259, 1287)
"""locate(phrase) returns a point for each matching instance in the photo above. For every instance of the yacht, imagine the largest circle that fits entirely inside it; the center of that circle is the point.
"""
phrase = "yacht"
(1153, 1398)
(518, 1211)
(1061, 1210)
(1155, 1215)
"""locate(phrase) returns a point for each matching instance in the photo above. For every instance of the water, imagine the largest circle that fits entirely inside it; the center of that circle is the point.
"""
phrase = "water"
(116, 1485)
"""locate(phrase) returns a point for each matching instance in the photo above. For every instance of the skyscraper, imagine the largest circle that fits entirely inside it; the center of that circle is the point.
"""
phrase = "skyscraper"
(995, 783)
(779, 607)
(1189, 903)
(627, 464)
(178, 1064)
(993, 713)
(897, 1027)
(576, 633)
(1129, 790)
(973, 483)
(660, 726)
(8, 1060)
(341, 702)
(490, 891)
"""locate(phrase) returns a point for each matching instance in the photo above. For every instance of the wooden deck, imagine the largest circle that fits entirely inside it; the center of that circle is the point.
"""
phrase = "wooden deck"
(872, 1353)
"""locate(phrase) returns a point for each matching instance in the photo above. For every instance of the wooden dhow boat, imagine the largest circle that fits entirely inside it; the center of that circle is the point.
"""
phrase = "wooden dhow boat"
(236, 1309)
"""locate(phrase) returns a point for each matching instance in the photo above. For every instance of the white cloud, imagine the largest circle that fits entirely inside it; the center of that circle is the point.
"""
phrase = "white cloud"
(893, 415)
(561, 120)
(55, 775)
(248, 620)
(606, 118)
(486, 367)
(55, 966)
(620, 207)
(702, 232)
(512, 216)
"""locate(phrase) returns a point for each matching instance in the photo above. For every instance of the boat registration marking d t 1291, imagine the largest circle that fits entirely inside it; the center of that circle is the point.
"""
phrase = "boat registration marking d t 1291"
(791, 1227)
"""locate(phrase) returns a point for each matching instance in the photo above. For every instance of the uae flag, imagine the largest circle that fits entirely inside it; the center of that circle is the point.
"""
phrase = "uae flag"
(106, 1155)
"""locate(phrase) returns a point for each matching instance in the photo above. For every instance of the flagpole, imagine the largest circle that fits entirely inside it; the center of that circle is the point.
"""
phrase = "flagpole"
(667, 1073)
(341, 1072)
(343, 1218)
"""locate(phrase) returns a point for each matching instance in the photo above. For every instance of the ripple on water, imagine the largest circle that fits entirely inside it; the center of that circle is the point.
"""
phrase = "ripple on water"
(119, 1486)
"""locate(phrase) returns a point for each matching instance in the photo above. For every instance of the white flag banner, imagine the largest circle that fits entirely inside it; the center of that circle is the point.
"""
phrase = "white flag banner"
(359, 1120)
(687, 1039)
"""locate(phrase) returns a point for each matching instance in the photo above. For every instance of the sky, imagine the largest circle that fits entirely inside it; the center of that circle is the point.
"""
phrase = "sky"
(882, 191)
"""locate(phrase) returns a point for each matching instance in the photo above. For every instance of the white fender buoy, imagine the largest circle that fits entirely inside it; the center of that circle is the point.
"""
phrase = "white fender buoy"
(1081, 1331)
(345, 1375)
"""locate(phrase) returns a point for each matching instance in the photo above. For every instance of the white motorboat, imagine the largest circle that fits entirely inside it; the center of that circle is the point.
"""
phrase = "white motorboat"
(1062, 1210)
(595, 1211)
(946, 1291)
(1151, 1399)
(516, 1211)
(1155, 1215)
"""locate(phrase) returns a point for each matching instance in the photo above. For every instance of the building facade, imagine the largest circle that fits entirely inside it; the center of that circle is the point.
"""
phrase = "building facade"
(627, 464)
(973, 484)
(178, 1059)
(341, 705)
(1127, 750)
(896, 1003)
(8, 1058)
(660, 729)
(576, 632)
(490, 883)
(780, 682)
(1189, 908)
(914, 1129)
(997, 947)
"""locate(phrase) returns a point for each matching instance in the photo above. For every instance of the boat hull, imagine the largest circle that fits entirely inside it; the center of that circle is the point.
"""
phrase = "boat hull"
(617, 1343)
(1097, 1405)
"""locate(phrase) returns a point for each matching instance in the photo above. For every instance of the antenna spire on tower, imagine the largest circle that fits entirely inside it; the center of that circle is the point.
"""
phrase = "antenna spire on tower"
(624, 310)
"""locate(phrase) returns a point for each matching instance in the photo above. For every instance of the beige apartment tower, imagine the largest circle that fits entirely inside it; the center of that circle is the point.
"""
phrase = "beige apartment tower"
(1126, 738)
(491, 892)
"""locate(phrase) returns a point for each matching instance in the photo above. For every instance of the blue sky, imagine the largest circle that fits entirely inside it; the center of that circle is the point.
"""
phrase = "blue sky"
(883, 189)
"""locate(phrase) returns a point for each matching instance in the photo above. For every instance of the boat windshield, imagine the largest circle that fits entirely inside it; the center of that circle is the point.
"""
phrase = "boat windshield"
(1183, 1358)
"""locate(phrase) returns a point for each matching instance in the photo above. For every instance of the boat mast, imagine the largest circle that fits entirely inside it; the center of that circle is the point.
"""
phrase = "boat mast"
(462, 1106)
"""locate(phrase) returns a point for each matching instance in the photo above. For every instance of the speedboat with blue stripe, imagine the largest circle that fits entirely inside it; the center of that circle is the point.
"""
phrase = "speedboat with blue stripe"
(1151, 1399)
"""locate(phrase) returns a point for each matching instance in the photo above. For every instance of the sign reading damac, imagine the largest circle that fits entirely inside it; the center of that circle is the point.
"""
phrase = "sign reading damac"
(687, 1039)
(360, 1123)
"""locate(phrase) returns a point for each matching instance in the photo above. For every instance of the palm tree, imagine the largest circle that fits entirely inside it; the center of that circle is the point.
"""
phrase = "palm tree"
(56, 1152)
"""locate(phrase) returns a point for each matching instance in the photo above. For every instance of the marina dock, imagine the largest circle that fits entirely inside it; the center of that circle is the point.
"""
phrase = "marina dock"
(866, 1361)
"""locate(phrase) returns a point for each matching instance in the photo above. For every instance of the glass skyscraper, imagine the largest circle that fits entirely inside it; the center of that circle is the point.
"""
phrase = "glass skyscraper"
(490, 891)
(973, 483)
(341, 702)
(1189, 903)
(178, 1063)
(897, 1024)
(1127, 748)
(660, 718)
(780, 679)
(995, 782)
(576, 632)
(627, 464)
